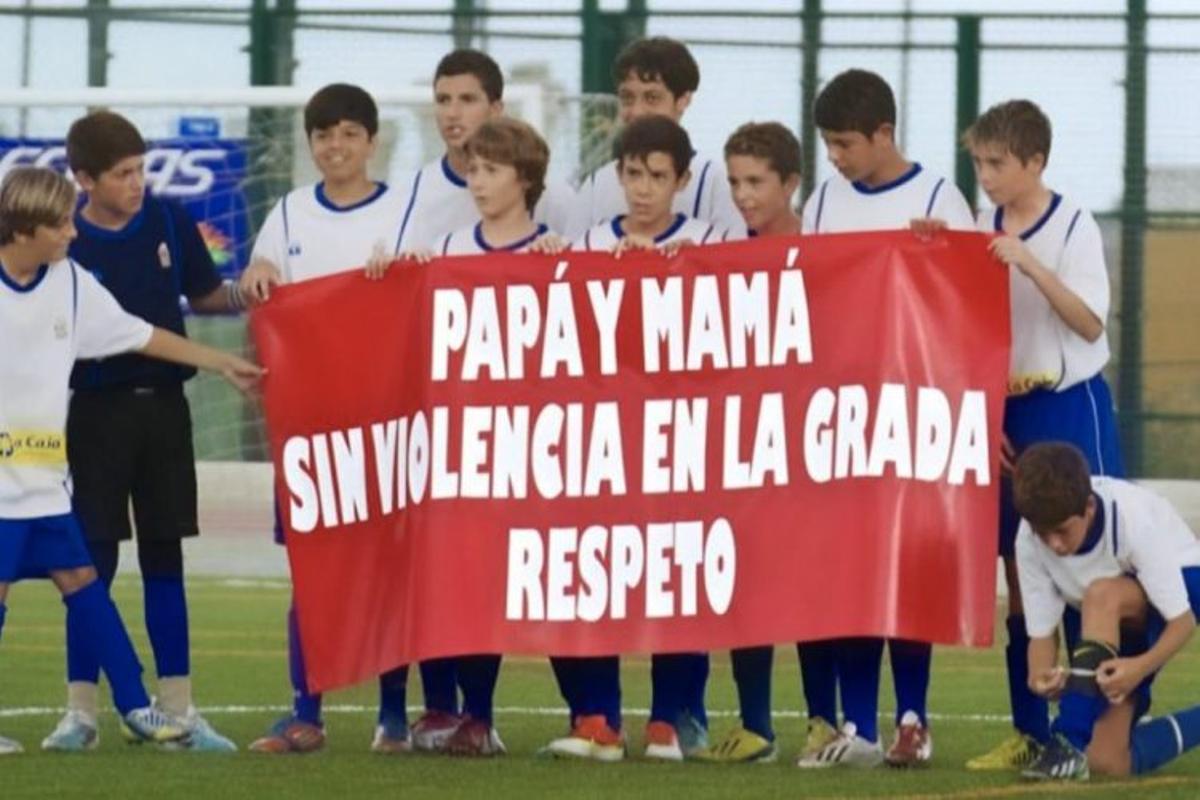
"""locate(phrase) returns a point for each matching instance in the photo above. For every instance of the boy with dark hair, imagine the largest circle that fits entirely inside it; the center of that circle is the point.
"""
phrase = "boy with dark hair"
(653, 154)
(875, 188)
(655, 76)
(343, 222)
(1125, 569)
(1059, 295)
(51, 313)
(763, 163)
(129, 425)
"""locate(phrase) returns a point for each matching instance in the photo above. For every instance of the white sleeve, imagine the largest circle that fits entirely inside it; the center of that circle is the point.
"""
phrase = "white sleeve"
(1159, 570)
(579, 219)
(102, 327)
(951, 207)
(271, 242)
(1043, 604)
(808, 217)
(1083, 270)
(555, 207)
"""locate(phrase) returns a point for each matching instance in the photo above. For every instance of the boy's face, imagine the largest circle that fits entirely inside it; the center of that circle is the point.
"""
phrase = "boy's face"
(460, 106)
(496, 188)
(48, 243)
(650, 186)
(342, 151)
(1002, 175)
(856, 155)
(759, 193)
(1067, 537)
(121, 189)
(638, 98)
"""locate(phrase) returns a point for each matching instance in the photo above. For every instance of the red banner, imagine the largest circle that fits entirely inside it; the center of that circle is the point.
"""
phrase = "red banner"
(768, 441)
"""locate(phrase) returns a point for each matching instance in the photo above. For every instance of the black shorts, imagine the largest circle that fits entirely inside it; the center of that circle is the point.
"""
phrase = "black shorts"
(133, 443)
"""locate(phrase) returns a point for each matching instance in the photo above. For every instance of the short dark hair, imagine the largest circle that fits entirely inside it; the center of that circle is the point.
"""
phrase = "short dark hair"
(513, 142)
(855, 100)
(655, 134)
(659, 58)
(1051, 482)
(97, 141)
(473, 62)
(1019, 126)
(31, 197)
(341, 102)
(770, 141)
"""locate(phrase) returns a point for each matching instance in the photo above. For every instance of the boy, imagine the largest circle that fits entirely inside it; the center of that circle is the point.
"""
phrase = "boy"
(129, 424)
(653, 155)
(1121, 559)
(655, 76)
(875, 188)
(1059, 296)
(51, 313)
(343, 222)
(763, 163)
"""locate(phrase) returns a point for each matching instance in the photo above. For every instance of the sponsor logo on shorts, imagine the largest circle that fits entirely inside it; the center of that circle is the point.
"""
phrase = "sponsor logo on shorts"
(33, 448)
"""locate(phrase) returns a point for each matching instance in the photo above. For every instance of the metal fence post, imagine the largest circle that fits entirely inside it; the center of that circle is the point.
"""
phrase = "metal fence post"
(809, 78)
(966, 109)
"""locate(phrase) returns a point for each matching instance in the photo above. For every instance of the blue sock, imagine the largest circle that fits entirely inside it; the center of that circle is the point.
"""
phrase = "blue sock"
(1164, 739)
(99, 617)
(818, 673)
(668, 678)
(439, 681)
(859, 662)
(697, 668)
(911, 664)
(3, 614)
(83, 665)
(478, 675)
(598, 684)
(752, 674)
(306, 707)
(393, 696)
(1031, 714)
(167, 624)
(566, 673)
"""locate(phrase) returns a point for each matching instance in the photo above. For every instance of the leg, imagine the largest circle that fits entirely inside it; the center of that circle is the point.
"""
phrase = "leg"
(859, 662)
(752, 674)
(1030, 713)
(165, 603)
(666, 677)
(566, 673)
(1109, 753)
(818, 672)
(911, 665)
(305, 706)
(478, 676)
(440, 684)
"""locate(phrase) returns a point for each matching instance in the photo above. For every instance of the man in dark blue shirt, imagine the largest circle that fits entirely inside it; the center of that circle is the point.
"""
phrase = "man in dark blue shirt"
(129, 431)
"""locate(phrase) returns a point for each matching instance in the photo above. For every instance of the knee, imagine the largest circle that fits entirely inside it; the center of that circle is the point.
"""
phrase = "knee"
(70, 581)
(1103, 595)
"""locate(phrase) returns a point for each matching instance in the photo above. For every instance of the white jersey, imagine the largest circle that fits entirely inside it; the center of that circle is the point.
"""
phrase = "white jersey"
(306, 236)
(439, 203)
(470, 241)
(1136, 533)
(65, 314)
(606, 235)
(839, 206)
(706, 197)
(1046, 354)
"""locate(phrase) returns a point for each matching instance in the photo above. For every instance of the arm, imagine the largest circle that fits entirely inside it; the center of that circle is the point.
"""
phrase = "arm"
(1067, 304)
(1046, 678)
(170, 347)
(227, 298)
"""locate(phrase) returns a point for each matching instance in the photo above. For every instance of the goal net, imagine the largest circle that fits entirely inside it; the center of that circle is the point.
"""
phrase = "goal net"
(228, 155)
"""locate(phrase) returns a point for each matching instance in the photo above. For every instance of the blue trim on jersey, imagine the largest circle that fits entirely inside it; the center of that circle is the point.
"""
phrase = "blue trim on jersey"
(1116, 521)
(700, 189)
(1071, 227)
(287, 233)
(325, 202)
(74, 295)
(446, 243)
(29, 287)
(1025, 235)
(820, 206)
(1095, 532)
(451, 175)
(412, 201)
(680, 219)
(511, 247)
(933, 197)
(587, 239)
(862, 188)
(124, 232)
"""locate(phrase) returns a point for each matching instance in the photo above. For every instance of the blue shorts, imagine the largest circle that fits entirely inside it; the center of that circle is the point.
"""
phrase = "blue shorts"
(1082, 415)
(1135, 642)
(32, 548)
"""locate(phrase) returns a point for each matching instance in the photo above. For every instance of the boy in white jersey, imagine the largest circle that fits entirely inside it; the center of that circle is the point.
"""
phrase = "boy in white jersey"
(345, 221)
(656, 76)
(875, 188)
(468, 90)
(653, 154)
(1121, 569)
(1059, 294)
(763, 162)
(52, 312)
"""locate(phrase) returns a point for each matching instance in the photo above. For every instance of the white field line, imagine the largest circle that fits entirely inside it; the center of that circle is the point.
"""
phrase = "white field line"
(515, 711)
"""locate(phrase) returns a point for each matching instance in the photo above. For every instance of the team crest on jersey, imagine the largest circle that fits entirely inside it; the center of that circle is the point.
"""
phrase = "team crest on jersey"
(293, 248)
(164, 255)
(6, 445)
(60, 328)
